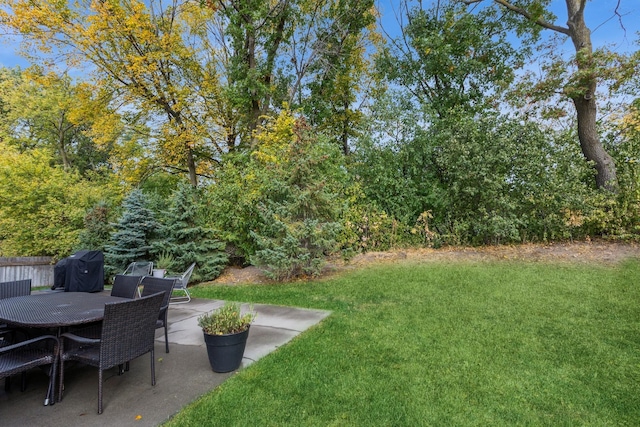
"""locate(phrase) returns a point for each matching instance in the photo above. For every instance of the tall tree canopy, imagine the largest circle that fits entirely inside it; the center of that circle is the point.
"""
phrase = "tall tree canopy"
(448, 59)
(149, 55)
(577, 78)
(203, 76)
(52, 112)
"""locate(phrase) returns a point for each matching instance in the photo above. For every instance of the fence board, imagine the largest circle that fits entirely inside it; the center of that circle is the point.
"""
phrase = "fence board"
(38, 269)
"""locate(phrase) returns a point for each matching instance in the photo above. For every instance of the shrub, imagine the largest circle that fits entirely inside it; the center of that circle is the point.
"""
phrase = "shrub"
(226, 320)
(42, 207)
(280, 206)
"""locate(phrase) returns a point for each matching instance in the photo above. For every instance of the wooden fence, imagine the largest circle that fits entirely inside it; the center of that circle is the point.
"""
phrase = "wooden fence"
(39, 269)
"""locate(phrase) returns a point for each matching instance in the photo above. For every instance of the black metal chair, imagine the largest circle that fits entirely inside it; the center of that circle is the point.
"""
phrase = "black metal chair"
(128, 331)
(125, 286)
(152, 285)
(20, 357)
(181, 284)
(139, 268)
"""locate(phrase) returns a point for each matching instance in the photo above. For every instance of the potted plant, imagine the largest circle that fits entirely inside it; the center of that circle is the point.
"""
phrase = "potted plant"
(226, 331)
(163, 263)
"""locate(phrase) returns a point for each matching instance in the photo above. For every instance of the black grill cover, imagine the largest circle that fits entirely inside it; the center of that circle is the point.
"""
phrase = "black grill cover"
(59, 273)
(82, 272)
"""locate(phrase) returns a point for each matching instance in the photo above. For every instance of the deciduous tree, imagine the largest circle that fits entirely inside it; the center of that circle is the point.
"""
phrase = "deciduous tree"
(141, 52)
(587, 68)
(332, 70)
(42, 207)
(449, 59)
(50, 111)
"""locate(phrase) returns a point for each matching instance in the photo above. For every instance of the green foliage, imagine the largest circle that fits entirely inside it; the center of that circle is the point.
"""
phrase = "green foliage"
(54, 113)
(391, 160)
(367, 227)
(433, 161)
(624, 208)
(447, 58)
(226, 320)
(339, 69)
(42, 207)
(256, 31)
(292, 249)
(134, 231)
(97, 228)
(185, 239)
(299, 217)
(164, 260)
(281, 206)
(486, 179)
(230, 206)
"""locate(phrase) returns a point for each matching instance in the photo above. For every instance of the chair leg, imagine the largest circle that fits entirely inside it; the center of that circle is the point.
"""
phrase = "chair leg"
(51, 391)
(122, 368)
(99, 391)
(153, 369)
(181, 299)
(166, 336)
(61, 381)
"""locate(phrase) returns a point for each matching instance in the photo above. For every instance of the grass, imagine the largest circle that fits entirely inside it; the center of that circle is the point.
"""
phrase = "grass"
(460, 344)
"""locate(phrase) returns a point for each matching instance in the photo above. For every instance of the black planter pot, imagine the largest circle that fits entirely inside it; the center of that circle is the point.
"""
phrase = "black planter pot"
(226, 351)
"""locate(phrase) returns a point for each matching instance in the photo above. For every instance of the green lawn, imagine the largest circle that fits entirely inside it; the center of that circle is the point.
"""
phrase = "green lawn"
(456, 344)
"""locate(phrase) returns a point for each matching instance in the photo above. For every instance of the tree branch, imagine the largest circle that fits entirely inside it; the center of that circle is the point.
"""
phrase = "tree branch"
(522, 12)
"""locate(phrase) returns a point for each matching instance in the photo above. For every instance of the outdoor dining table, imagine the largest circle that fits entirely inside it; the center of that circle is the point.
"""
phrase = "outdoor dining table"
(54, 310)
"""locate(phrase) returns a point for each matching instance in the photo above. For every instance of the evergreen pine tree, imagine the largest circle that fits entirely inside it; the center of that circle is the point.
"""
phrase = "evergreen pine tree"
(134, 232)
(187, 241)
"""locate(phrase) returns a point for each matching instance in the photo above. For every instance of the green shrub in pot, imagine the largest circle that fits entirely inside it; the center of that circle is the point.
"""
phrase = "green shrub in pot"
(226, 320)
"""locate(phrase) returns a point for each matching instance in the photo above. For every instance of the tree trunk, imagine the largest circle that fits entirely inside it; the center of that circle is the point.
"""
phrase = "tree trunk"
(592, 147)
(176, 117)
(254, 112)
(585, 103)
(191, 164)
(66, 163)
(584, 92)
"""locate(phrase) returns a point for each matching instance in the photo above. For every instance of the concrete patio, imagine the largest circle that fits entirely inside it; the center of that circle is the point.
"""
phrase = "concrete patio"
(181, 376)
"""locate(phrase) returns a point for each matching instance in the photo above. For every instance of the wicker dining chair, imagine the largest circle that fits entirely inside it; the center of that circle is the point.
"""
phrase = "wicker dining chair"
(13, 288)
(128, 331)
(19, 357)
(151, 285)
(125, 286)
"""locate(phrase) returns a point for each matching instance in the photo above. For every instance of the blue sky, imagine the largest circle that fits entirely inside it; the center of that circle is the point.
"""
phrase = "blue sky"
(607, 28)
